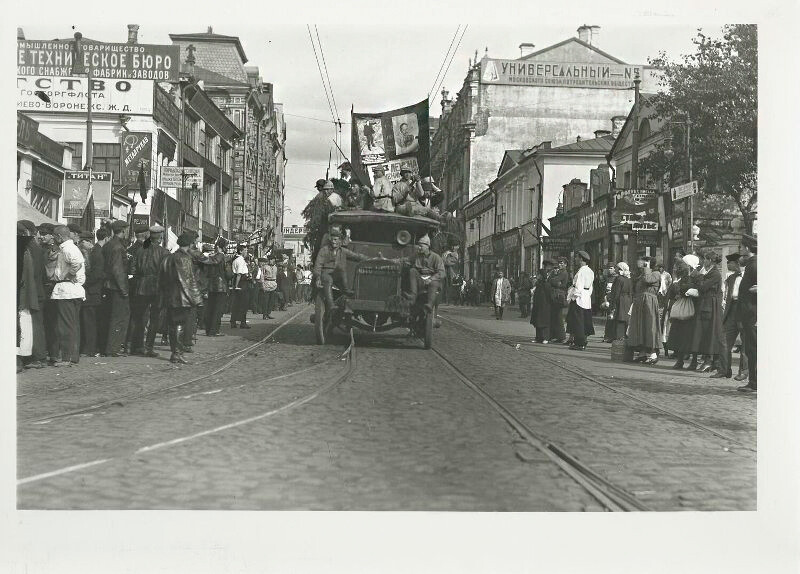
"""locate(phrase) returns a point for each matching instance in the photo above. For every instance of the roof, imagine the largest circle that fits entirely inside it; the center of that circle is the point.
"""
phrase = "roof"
(511, 159)
(626, 127)
(362, 216)
(568, 40)
(213, 78)
(601, 144)
(26, 211)
(211, 37)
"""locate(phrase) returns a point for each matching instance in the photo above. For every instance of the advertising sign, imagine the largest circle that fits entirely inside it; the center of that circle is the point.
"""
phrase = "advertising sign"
(685, 190)
(558, 74)
(140, 219)
(115, 61)
(392, 138)
(137, 148)
(593, 221)
(165, 111)
(26, 130)
(76, 193)
(557, 243)
(634, 205)
(180, 177)
(69, 94)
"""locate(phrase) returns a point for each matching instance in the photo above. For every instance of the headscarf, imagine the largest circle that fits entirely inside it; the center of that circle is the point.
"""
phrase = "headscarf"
(624, 269)
(691, 260)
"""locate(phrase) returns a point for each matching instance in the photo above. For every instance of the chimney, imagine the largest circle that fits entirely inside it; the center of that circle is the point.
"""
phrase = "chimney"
(595, 31)
(210, 30)
(545, 145)
(525, 49)
(133, 33)
(616, 125)
(601, 133)
(588, 34)
(20, 34)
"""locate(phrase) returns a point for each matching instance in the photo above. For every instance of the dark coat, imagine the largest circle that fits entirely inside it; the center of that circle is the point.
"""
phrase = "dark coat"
(708, 336)
(178, 284)
(146, 267)
(621, 297)
(559, 282)
(37, 255)
(542, 303)
(115, 266)
(214, 272)
(95, 276)
(730, 312)
(748, 302)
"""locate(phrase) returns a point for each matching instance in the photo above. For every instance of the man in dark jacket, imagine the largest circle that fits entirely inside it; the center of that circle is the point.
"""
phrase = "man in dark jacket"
(141, 232)
(217, 285)
(731, 327)
(145, 268)
(115, 267)
(748, 309)
(180, 294)
(524, 294)
(92, 338)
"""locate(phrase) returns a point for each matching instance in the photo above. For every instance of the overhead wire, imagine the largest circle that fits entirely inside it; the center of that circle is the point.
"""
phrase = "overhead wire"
(338, 125)
(451, 58)
(322, 79)
(446, 54)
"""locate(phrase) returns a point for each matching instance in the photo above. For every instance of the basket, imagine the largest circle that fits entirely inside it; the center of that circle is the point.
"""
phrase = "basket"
(618, 350)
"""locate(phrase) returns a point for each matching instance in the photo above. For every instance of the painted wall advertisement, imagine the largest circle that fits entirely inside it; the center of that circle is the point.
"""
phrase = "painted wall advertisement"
(635, 210)
(69, 94)
(137, 148)
(558, 74)
(76, 193)
(396, 139)
(106, 60)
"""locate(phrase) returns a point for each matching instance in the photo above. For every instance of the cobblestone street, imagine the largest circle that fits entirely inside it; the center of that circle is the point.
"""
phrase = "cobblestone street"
(402, 432)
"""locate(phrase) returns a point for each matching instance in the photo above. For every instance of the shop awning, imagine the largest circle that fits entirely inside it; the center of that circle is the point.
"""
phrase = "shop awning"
(26, 211)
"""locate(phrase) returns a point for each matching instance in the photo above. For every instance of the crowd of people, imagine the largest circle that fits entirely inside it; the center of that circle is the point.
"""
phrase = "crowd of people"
(82, 293)
(694, 312)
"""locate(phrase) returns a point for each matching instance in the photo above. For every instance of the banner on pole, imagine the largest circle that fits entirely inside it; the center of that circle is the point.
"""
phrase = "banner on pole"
(76, 193)
(394, 139)
(137, 149)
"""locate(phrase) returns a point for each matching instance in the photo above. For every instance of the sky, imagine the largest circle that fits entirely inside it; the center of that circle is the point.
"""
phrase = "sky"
(376, 68)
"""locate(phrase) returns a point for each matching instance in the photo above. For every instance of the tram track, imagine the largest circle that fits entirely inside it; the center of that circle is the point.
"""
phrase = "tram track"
(121, 400)
(594, 380)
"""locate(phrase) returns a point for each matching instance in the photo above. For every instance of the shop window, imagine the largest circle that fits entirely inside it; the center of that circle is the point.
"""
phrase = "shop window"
(77, 155)
(106, 158)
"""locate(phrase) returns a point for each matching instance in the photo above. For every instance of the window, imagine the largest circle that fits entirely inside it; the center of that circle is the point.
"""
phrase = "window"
(190, 132)
(77, 155)
(201, 141)
(627, 180)
(106, 158)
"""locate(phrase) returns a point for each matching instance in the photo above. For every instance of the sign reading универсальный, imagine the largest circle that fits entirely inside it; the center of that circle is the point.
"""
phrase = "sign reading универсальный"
(565, 74)
(116, 61)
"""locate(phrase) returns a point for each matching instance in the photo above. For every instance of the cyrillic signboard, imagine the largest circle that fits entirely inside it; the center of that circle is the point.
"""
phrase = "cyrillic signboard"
(76, 193)
(69, 94)
(180, 177)
(106, 60)
(557, 74)
(685, 190)
(557, 243)
(137, 148)
(165, 111)
(26, 130)
(593, 221)
(635, 206)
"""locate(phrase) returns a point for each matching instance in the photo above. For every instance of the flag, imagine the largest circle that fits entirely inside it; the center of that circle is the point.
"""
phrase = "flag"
(142, 183)
(87, 218)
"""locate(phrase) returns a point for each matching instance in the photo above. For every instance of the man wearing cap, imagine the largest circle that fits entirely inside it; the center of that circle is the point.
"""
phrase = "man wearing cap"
(93, 327)
(68, 293)
(115, 267)
(381, 190)
(145, 309)
(346, 171)
(241, 285)
(579, 313)
(330, 266)
(748, 309)
(731, 327)
(409, 197)
(426, 272)
(402, 189)
(180, 294)
(217, 285)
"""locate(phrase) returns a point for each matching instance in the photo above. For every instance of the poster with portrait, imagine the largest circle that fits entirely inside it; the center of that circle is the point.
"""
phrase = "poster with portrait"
(391, 138)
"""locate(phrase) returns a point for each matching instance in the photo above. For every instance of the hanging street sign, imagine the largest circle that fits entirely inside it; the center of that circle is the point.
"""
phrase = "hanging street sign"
(683, 191)
(76, 193)
(173, 176)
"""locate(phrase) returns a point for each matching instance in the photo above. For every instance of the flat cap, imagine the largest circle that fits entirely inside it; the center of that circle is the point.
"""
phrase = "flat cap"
(424, 240)
(156, 229)
(585, 256)
(192, 233)
(87, 235)
(405, 170)
(118, 225)
(346, 165)
(29, 225)
(335, 231)
(46, 228)
(733, 257)
(141, 228)
(74, 227)
(185, 239)
(320, 183)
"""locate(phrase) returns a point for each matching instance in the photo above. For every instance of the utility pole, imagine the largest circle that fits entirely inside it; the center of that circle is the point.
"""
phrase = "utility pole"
(633, 238)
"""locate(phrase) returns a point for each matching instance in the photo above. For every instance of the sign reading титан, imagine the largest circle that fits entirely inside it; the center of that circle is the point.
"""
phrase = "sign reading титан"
(116, 61)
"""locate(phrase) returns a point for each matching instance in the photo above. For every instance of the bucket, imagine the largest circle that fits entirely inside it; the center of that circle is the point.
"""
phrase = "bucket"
(618, 350)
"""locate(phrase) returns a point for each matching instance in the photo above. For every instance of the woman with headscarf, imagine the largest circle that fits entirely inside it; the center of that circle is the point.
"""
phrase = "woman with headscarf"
(680, 329)
(645, 332)
(619, 301)
(708, 338)
(542, 304)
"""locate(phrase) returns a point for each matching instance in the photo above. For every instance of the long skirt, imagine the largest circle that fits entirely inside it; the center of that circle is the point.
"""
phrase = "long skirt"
(645, 326)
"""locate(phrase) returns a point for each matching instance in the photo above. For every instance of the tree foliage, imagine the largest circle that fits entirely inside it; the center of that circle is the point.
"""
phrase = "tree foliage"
(716, 88)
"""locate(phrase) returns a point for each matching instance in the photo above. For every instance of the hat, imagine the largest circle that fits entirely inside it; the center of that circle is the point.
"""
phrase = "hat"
(328, 184)
(22, 229)
(691, 260)
(346, 165)
(87, 235)
(405, 170)
(424, 240)
(222, 243)
(335, 231)
(118, 225)
(74, 227)
(320, 182)
(46, 228)
(733, 257)
(562, 259)
(547, 262)
(185, 239)
(585, 256)
(29, 225)
(206, 247)
(156, 229)
(622, 266)
(141, 228)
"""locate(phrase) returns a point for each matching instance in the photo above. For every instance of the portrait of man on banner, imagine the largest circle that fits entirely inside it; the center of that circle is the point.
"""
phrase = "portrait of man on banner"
(406, 133)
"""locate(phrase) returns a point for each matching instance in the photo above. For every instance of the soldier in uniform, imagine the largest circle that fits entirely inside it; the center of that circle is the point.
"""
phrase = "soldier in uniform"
(426, 272)
(145, 267)
(330, 266)
(381, 190)
(180, 293)
(409, 196)
(115, 267)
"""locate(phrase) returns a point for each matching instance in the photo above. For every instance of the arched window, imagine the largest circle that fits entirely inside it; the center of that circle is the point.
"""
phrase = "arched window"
(644, 129)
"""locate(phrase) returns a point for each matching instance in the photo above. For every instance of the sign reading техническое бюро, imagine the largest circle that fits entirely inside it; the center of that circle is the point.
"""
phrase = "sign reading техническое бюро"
(395, 139)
